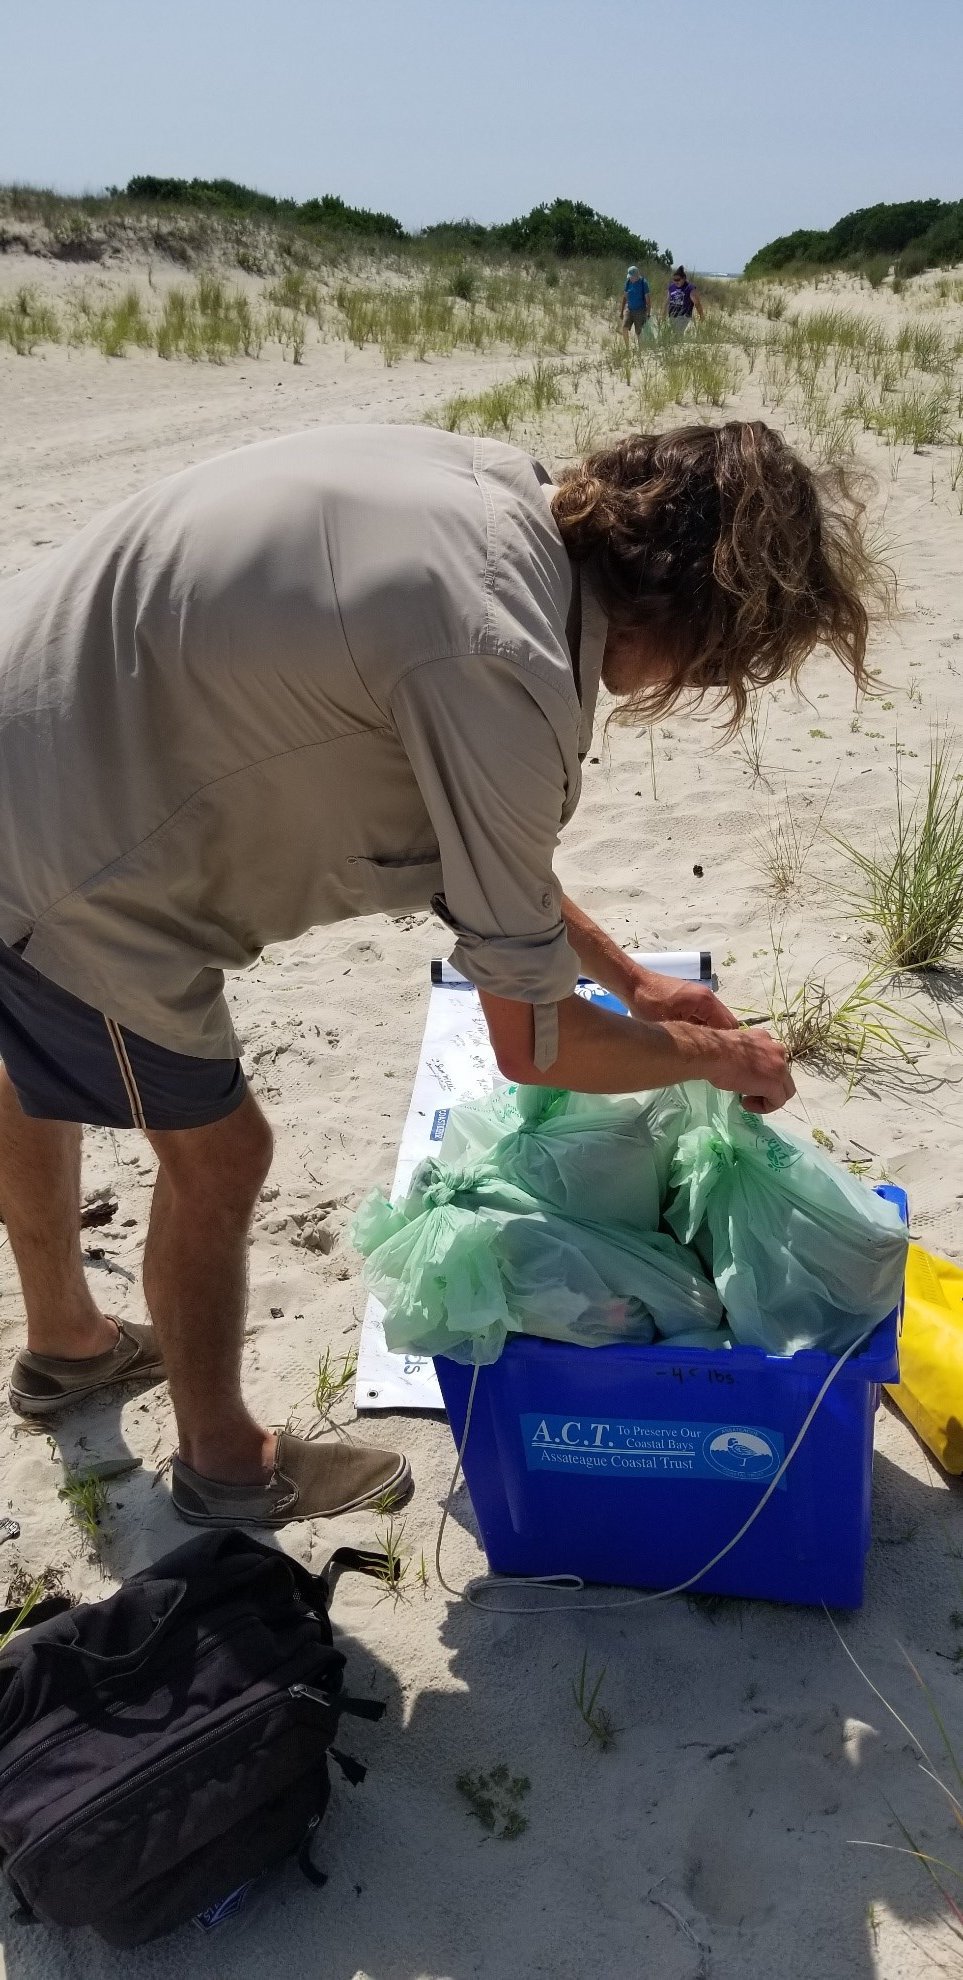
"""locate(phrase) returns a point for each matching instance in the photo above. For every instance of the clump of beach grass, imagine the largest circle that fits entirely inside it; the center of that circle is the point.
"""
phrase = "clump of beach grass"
(544, 385)
(503, 406)
(27, 321)
(214, 322)
(296, 290)
(86, 1496)
(785, 847)
(912, 891)
(850, 1034)
(116, 325)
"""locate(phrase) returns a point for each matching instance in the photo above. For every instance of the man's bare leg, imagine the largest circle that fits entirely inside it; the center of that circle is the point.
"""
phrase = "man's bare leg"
(40, 1204)
(195, 1282)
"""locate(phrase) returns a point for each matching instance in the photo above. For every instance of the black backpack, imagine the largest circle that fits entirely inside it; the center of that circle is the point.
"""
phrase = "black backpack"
(161, 1748)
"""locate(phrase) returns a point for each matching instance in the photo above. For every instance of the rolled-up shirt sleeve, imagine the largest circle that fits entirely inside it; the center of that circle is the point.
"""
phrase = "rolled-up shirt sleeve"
(495, 765)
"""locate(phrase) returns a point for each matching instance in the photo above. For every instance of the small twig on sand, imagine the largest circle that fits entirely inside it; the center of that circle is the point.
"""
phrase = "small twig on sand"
(702, 1949)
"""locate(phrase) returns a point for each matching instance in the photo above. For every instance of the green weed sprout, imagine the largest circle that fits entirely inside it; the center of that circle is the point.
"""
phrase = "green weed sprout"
(332, 1381)
(397, 1560)
(598, 1721)
(86, 1495)
(20, 1618)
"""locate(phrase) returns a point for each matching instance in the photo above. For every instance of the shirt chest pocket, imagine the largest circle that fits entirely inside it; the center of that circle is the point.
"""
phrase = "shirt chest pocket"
(396, 886)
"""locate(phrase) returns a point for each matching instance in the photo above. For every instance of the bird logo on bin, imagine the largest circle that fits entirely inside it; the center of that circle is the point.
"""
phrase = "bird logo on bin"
(742, 1453)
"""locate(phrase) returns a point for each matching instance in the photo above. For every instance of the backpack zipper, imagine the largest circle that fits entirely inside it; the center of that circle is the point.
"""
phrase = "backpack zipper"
(308, 1691)
(260, 1707)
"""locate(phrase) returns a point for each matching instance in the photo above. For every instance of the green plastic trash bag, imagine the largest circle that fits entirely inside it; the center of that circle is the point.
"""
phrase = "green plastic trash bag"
(593, 1157)
(432, 1271)
(803, 1255)
(470, 1257)
(698, 1337)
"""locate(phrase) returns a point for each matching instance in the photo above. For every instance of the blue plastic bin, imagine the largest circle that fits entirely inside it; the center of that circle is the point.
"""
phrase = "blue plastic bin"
(635, 1465)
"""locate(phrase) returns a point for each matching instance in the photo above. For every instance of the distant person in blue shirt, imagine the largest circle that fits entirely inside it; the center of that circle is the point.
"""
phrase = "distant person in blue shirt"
(635, 304)
(682, 298)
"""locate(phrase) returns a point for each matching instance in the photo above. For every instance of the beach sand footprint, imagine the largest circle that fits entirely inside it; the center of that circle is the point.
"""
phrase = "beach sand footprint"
(780, 1806)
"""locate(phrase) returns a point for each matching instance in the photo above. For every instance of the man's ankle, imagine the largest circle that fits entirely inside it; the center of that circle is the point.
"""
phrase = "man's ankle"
(77, 1340)
(246, 1458)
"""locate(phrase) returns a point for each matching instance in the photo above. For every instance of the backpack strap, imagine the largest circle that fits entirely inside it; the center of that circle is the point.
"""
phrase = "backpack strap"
(359, 1708)
(353, 1770)
(372, 1561)
(306, 1864)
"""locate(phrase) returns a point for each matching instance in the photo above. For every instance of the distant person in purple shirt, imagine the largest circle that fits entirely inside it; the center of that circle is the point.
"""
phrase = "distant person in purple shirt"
(636, 302)
(682, 298)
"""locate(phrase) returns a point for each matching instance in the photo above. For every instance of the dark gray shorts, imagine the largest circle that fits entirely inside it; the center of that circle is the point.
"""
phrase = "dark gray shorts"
(68, 1062)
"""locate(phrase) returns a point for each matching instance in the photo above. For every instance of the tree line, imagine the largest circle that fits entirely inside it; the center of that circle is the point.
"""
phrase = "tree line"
(564, 227)
(912, 234)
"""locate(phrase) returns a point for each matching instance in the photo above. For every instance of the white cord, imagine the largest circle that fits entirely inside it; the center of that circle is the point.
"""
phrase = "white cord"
(493, 1584)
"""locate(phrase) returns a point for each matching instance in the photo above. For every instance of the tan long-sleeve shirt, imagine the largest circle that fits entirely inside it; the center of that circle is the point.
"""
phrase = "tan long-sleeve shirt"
(319, 677)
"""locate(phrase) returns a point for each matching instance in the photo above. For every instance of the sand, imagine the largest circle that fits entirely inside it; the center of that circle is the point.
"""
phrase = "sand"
(718, 1836)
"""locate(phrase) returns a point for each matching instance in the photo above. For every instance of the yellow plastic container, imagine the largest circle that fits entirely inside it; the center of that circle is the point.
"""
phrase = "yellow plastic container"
(930, 1389)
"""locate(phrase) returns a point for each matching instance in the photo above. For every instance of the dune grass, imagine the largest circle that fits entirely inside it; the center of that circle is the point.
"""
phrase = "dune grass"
(502, 407)
(833, 369)
(912, 880)
(851, 1034)
(751, 740)
(112, 327)
(785, 847)
(27, 321)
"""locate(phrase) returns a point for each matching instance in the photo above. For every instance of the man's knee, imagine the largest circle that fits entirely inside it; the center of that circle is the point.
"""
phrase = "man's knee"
(250, 1150)
(225, 1163)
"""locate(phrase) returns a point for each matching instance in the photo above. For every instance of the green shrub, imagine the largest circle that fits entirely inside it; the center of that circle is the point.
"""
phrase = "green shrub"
(463, 282)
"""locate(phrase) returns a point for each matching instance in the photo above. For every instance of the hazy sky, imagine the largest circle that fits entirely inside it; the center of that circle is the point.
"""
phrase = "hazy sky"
(710, 124)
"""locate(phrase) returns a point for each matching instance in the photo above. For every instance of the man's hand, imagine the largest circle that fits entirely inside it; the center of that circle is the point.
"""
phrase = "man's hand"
(694, 1035)
(755, 1065)
(759, 1059)
(659, 999)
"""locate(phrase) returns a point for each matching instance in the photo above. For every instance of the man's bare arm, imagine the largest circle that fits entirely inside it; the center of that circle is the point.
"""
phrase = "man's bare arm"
(600, 1052)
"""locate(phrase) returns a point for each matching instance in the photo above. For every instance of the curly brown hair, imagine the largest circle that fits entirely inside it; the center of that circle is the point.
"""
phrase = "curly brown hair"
(736, 556)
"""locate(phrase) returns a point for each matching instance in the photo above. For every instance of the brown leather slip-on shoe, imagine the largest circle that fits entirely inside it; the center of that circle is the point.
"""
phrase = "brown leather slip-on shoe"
(309, 1481)
(44, 1384)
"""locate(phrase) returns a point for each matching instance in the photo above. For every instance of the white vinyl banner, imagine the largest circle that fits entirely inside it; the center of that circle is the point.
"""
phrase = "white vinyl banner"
(456, 1064)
